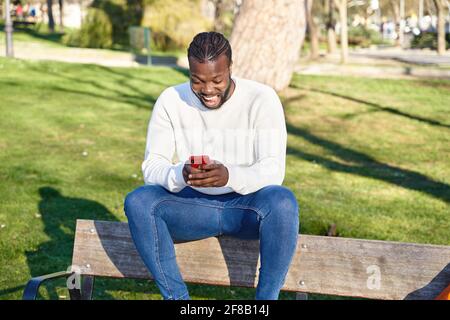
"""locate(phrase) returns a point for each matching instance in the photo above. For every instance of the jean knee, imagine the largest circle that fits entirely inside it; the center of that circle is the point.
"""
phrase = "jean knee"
(140, 198)
(283, 201)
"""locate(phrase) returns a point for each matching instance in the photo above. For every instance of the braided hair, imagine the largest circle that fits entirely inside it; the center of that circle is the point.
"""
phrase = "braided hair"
(208, 46)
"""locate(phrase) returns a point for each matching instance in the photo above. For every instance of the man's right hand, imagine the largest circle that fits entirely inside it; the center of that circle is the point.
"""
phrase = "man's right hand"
(188, 169)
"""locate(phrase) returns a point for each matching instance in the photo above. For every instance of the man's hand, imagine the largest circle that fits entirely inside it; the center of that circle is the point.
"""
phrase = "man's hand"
(207, 175)
(188, 169)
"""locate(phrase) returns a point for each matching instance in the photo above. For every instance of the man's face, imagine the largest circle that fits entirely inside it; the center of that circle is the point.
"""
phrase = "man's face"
(211, 81)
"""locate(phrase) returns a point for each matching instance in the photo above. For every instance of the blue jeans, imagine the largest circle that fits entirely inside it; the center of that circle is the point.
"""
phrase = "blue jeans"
(157, 217)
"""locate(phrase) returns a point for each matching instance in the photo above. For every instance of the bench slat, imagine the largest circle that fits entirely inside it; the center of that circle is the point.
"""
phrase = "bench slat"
(326, 265)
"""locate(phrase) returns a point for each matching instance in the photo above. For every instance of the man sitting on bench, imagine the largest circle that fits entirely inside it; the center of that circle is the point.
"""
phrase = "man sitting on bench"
(234, 132)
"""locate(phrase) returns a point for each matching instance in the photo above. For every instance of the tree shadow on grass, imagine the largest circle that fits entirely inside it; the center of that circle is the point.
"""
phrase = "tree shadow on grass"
(292, 99)
(59, 214)
(125, 91)
(124, 76)
(140, 97)
(30, 30)
(139, 102)
(16, 289)
(378, 107)
(366, 166)
(434, 83)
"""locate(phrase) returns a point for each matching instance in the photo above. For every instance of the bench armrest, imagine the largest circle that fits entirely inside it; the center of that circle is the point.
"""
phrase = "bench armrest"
(32, 287)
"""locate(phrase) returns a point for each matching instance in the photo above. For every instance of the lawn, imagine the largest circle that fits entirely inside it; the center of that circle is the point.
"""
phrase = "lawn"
(371, 156)
(39, 38)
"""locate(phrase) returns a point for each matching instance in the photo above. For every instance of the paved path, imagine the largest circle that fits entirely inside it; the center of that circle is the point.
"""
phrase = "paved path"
(412, 56)
(109, 58)
(381, 63)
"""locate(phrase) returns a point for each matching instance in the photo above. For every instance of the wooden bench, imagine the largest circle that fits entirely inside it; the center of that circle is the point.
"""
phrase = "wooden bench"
(325, 265)
(23, 23)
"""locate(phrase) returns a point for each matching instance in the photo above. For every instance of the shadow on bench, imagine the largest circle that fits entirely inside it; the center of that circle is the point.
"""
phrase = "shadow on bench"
(325, 265)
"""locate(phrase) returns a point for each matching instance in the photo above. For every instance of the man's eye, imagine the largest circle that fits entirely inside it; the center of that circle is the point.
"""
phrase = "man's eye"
(217, 81)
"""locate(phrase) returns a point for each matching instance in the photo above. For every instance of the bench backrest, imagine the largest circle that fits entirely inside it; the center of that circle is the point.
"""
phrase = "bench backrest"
(325, 265)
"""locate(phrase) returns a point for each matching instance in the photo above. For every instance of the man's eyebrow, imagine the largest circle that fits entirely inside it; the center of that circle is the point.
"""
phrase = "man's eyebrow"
(214, 77)
(196, 76)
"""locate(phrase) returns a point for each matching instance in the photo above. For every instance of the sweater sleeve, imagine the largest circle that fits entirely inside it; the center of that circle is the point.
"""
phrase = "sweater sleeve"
(270, 144)
(157, 167)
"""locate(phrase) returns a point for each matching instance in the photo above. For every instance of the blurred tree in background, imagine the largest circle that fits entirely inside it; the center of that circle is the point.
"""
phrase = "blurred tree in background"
(441, 5)
(174, 23)
(224, 13)
(329, 19)
(106, 23)
(122, 14)
(312, 29)
(96, 31)
(51, 20)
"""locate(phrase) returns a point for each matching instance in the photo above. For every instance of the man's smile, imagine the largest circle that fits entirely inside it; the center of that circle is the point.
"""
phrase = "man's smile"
(211, 100)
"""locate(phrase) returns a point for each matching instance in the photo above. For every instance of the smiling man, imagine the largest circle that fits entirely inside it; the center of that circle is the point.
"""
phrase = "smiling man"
(239, 124)
(211, 82)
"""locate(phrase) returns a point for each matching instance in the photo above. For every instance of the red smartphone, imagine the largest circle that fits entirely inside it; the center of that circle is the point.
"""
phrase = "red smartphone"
(198, 160)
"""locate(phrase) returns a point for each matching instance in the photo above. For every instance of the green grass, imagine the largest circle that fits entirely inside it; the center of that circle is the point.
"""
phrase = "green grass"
(369, 155)
(39, 36)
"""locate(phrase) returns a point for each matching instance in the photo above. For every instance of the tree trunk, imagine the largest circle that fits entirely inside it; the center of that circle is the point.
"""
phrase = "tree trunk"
(331, 25)
(61, 14)
(440, 7)
(342, 6)
(420, 13)
(218, 23)
(51, 21)
(397, 19)
(266, 40)
(312, 31)
(401, 32)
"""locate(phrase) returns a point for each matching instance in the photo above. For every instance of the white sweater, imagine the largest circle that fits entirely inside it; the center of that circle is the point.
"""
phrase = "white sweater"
(247, 134)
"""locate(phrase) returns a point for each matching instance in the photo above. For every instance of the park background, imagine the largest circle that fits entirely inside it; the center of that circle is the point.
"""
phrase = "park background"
(365, 86)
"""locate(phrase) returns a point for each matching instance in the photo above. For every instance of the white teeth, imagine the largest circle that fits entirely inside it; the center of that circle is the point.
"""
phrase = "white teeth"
(209, 98)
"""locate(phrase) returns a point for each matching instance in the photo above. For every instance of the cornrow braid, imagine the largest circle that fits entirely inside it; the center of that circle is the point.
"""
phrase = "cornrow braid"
(208, 46)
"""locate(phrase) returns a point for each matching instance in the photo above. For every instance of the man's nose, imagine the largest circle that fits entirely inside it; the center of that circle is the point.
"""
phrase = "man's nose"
(207, 89)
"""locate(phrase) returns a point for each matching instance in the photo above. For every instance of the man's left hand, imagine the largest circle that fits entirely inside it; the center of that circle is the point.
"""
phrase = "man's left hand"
(215, 175)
